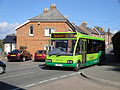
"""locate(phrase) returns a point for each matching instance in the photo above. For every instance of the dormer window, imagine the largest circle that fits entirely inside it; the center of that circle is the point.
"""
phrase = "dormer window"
(31, 31)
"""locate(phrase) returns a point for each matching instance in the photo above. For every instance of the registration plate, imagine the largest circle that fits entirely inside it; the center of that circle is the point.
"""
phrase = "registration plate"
(39, 55)
(13, 55)
(58, 64)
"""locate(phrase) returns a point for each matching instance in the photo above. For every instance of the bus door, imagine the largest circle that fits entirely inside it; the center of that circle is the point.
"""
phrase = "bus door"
(84, 50)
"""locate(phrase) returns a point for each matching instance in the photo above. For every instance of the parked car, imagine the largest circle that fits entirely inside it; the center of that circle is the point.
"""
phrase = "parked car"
(2, 67)
(40, 55)
(19, 55)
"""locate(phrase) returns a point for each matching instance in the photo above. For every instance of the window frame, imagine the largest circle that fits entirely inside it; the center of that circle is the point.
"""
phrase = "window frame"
(31, 28)
(79, 47)
(94, 46)
(48, 31)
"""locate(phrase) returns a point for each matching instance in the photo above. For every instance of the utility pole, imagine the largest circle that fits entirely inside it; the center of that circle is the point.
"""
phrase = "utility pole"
(108, 35)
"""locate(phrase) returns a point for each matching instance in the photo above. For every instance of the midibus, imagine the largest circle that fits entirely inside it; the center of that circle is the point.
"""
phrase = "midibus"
(75, 50)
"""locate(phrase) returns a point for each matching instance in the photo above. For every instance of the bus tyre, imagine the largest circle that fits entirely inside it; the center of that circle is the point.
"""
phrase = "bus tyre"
(47, 67)
(102, 59)
(77, 66)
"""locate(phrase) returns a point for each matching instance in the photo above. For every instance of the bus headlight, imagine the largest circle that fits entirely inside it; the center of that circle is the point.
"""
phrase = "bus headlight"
(69, 61)
(48, 60)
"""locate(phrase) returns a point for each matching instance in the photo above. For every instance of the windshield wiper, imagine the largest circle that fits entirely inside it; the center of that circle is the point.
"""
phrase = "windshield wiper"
(65, 54)
(51, 54)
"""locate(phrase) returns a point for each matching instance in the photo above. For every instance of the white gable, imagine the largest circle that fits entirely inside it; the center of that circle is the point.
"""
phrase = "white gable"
(21, 24)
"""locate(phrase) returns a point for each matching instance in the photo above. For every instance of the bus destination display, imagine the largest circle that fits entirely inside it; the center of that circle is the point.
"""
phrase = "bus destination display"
(65, 35)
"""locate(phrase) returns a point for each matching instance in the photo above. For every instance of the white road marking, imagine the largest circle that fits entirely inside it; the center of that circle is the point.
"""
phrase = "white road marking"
(74, 73)
(63, 76)
(16, 75)
(43, 81)
(30, 85)
(52, 79)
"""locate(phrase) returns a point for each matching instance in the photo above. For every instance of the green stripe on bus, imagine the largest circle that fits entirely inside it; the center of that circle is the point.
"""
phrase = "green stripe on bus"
(91, 62)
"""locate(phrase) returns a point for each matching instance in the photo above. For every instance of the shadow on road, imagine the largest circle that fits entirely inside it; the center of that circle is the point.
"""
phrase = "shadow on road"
(42, 66)
(38, 60)
(5, 86)
(111, 60)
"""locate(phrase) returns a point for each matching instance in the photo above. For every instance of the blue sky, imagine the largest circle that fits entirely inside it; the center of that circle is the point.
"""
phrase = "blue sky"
(103, 13)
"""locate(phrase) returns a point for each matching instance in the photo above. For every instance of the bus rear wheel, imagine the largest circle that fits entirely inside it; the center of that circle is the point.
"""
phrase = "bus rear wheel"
(77, 66)
(102, 59)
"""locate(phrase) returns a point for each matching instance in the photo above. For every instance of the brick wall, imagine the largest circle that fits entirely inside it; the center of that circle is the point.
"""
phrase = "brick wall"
(38, 41)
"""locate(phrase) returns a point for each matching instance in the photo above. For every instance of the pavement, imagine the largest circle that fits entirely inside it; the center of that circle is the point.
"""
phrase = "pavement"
(3, 58)
(108, 75)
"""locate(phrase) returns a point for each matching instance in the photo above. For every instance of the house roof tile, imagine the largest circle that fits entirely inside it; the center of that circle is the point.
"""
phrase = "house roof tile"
(87, 29)
(101, 32)
(10, 39)
(79, 30)
(51, 15)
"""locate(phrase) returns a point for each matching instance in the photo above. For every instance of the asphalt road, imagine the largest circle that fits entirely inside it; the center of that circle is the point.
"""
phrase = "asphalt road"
(24, 74)
(30, 75)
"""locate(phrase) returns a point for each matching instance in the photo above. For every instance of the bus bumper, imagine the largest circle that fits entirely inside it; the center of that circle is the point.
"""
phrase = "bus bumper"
(60, 64)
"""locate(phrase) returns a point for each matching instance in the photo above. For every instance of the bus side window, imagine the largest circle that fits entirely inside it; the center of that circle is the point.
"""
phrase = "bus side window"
(101, 46)
(89, 46)
(95, 46)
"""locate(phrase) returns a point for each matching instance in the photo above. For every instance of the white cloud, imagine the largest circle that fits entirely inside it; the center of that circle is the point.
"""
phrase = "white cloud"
(114, 31)
(6, 28)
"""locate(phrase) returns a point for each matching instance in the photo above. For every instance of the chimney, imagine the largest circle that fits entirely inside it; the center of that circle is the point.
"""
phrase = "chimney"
(84, 23)
(73, 23)
(45, 10)
(53, 6)
(66, 17)
(102, 29)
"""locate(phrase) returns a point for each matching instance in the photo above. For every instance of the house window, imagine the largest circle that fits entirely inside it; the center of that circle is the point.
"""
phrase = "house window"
(48, 31)
(31, 30)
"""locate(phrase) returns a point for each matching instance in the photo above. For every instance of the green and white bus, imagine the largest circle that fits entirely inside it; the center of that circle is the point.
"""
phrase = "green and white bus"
(71, 49)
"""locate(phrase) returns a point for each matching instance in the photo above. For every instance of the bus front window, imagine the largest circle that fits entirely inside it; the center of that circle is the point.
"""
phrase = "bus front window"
(62, 47)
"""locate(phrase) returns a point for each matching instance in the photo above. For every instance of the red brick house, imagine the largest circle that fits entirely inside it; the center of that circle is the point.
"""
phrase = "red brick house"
(35, 32)
(88, 30)
(103, 34)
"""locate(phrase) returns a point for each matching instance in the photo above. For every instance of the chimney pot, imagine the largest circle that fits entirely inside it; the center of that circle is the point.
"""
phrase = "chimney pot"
(53, 6)
(45, 10)
(84, 23)
(102, 29)
(66, 17)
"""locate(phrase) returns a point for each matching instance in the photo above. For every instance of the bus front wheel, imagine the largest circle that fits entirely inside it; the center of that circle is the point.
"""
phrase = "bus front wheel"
(77, 66)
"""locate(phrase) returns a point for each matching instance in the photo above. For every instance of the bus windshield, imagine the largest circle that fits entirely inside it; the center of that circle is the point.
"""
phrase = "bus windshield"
(62, 47)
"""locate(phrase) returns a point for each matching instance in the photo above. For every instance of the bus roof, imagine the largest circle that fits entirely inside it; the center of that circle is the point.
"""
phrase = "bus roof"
(78, 35)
